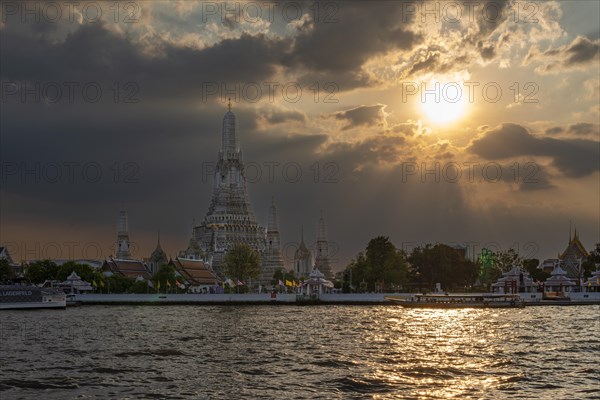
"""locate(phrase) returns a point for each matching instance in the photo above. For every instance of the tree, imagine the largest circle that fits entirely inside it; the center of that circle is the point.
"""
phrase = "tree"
(592, 262)
(6, 271)
(40, 271)
(241, 263)
(443, 264)
(504, 261)
(531, 265)
(382, 265)
(166, 273)
(84, 271)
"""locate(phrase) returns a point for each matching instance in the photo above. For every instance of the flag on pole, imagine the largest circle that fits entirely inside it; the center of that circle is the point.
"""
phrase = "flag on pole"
(150, 284)
(158, 285)
(94, 283)
(288, 283)
(240, 283)
(101, 283)
(281, 283)
(168, 283)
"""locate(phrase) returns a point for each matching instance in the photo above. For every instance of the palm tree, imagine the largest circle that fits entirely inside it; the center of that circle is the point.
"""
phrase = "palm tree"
(241, 263)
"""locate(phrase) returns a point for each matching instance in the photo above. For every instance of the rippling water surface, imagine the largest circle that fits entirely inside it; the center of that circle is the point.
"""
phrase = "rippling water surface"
(293, 352)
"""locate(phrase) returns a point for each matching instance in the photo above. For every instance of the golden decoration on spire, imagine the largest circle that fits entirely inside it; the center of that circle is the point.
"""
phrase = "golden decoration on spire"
(229, 104)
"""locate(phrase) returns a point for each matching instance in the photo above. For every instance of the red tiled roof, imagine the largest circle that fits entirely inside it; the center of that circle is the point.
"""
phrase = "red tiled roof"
(128, 268)
(195, 271)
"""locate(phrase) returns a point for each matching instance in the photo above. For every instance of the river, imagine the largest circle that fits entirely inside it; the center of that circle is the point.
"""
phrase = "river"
(300, 352)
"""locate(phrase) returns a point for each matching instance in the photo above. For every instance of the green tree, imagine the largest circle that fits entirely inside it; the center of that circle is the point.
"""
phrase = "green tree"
(382, 265)
(241, 263)
(443, 264)
(589, 265)
(139, 287)
(531, 265)
(6, 271)
(40, 271)
(165, 273)
(84, 271)
(116, 284)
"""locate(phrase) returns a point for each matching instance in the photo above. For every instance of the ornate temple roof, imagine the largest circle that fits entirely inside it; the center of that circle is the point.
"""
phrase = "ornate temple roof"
(128, 268)
(559, 279)
(158, 254)
(196, 272)
(302, 251)
(575, 249)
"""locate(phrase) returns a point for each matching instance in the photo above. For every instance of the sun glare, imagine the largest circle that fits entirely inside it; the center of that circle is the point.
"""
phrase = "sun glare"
(443, 103)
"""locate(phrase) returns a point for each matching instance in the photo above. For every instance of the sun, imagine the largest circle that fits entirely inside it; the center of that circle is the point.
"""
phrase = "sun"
(444, 103)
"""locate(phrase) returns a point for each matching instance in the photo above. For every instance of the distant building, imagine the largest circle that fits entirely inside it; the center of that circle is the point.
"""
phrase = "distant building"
(123, 236)
(128, 268)
(193, 251)
(573, 256)
(558, 281)
(271, 257)
(322, 250)
(303, 264)
(515, 281)
(158, 258)
(570, 260)
(4, 255)
(197, 273)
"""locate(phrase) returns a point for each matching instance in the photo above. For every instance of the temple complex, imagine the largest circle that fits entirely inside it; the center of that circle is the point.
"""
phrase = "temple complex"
(230, 219)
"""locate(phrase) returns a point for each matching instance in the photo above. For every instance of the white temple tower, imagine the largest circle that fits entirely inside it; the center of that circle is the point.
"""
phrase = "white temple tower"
(302, 259)
(322, 250)
(230, 219)
(271, 258)
(123, 236)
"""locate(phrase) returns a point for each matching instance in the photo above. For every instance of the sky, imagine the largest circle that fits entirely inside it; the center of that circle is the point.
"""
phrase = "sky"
(469, 123)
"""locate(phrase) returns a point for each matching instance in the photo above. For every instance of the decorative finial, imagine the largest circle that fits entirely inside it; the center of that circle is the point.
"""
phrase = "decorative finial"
(158, 237)
(229, 104)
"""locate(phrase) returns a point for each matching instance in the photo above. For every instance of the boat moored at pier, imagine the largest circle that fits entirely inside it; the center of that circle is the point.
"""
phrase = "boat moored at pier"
(475, 300)
(29, 296)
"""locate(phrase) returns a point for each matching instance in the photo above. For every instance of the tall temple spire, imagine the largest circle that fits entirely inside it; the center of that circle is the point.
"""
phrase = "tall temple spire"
(322, 257)
(230, 219)
(272, 224)
(272, 259)
(229, 139)
(123, 235)
(322, 228)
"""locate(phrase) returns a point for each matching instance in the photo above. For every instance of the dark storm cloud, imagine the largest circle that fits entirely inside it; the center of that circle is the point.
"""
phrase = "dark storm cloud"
(579, 53)
(554, 130)
(342, 46)
(362, 116)
(94, 53)
(573, 157)
(583, 128)
(277, 116)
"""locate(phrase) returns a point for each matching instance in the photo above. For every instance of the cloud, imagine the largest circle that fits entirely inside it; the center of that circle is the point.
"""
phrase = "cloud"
(584, 128)
(554, 130)
(363, 116)
(572, 157)
(581, 53)
(274, 115)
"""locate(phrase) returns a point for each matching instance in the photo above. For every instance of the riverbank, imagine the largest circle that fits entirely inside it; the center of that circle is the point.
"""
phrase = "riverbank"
(531, 299)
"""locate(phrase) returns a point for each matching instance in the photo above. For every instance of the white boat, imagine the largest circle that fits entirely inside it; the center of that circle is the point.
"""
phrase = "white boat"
(29, 296)
(474, 300)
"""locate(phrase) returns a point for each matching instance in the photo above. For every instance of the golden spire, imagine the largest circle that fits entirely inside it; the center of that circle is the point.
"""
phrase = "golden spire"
(229, 104)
